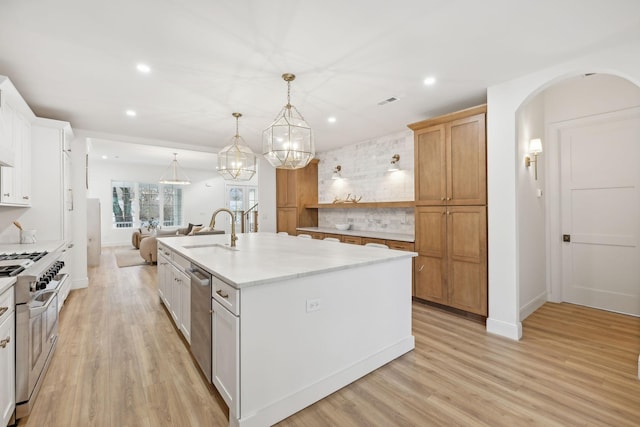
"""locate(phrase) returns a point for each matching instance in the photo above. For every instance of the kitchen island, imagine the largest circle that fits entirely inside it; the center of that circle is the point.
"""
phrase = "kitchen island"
(296, 319)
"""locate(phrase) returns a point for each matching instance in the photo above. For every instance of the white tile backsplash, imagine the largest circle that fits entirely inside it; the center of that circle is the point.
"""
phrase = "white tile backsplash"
(364, 171)
(388, 220)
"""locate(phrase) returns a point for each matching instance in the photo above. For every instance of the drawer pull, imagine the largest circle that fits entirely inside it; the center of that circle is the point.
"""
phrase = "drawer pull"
(421, 268)
(3, 310)
(223, 295)
(4, 342)
(25, 197)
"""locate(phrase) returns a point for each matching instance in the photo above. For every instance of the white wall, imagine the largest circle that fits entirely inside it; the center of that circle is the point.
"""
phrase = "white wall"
(364, 173)
(531, 211)
(201, 198)
(503, 162)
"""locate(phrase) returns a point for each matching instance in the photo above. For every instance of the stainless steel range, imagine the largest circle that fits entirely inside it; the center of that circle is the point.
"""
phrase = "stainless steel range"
(37, 284)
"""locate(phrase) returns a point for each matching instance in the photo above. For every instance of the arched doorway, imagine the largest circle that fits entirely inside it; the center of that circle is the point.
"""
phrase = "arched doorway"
(503, 102)
(591, 192)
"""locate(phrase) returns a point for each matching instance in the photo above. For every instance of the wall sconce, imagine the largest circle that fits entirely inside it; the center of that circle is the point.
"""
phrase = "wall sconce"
(535, 148)
(393, 167)
(336, 172)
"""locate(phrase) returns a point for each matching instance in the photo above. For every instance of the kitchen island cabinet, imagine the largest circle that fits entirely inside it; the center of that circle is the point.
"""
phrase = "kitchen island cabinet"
(299, 318)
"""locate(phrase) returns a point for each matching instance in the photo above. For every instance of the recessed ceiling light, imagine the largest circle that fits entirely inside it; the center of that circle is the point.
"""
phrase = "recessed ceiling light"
(429, 81)
(131, 113)
(143, 68)
(105, 157)
(331, 119)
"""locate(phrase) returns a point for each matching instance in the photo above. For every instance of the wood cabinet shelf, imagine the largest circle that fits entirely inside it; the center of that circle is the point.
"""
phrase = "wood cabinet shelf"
(361, 205)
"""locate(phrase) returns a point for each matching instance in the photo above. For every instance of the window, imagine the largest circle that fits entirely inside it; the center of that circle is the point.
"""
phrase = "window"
(135, 204)
(240, 199)
(122, 204)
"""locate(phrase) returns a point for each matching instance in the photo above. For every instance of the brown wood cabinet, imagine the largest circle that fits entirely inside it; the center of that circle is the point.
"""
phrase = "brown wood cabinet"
(450, 159)
(451, 268)
(354, 240)
(451, 212)
(294, 190)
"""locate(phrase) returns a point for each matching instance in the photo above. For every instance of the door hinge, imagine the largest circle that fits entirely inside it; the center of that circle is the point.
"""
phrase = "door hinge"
(566, 238)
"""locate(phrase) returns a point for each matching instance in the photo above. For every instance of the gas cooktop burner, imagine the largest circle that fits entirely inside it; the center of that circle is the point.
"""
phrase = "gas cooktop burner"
(33, 256)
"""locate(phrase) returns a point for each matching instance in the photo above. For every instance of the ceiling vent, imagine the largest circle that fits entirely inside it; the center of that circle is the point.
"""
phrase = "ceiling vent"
(388, 100)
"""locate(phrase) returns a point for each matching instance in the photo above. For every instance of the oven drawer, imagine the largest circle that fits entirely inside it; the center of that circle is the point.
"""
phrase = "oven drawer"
(226, 295)
(7, 303)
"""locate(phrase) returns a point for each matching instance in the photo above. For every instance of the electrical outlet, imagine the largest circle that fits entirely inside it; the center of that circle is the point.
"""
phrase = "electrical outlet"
(313, 305)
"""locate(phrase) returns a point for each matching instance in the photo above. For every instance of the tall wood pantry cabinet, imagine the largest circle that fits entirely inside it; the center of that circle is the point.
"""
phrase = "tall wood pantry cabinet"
(296, 188)
(451, 210)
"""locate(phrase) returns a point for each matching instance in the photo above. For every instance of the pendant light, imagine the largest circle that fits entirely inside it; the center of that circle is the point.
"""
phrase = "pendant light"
(288, 142)
(236, 161)
(174, 175)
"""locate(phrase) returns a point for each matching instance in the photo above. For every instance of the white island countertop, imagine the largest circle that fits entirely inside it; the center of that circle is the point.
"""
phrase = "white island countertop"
(262, 258)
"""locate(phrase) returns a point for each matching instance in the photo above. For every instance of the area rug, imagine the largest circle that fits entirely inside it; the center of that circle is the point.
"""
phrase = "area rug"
(129, 258)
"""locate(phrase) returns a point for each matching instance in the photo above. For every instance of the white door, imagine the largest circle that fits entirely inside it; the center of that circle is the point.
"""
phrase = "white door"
(601, 213)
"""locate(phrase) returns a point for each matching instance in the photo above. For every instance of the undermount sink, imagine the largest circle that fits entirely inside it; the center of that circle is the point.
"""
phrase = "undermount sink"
(211, 245)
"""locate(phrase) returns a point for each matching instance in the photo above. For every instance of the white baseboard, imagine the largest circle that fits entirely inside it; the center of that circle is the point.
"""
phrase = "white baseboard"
(527, 309)
(113, 244)
(505, 329)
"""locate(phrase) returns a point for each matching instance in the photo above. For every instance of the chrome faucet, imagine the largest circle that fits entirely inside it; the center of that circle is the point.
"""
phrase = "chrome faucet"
(233, 224)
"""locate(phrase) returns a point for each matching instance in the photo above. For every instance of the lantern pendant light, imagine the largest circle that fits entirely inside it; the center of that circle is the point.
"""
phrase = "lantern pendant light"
(174, 175)
(236, 162)
(288, 142)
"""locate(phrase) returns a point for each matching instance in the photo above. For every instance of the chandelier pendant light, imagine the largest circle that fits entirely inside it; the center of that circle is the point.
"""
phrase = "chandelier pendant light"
(288, 142)
(236, 162)
(174, 175)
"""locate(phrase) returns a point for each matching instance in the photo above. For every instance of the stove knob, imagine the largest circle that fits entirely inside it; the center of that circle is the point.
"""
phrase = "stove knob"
(41, 285)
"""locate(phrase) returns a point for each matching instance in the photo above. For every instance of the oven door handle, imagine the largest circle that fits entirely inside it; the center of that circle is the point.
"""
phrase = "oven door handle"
(37, 311)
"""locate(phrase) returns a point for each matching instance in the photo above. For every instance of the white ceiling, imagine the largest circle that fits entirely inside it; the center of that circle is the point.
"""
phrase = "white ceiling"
(75, 60)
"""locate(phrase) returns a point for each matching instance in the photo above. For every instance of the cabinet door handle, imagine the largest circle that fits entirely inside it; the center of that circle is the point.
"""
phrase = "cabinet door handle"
(7, 194)
(3, 310)
(4, 342)
(448, 213)
(223, 295)
(25, 197)
(421, 268)
(442, 199)
(448, 198)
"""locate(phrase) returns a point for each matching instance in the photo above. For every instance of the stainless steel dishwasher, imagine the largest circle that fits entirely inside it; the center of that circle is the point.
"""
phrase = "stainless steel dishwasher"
(201, 318)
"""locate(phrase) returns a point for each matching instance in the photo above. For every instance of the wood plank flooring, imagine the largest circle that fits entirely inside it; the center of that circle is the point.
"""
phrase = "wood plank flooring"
(120, 362)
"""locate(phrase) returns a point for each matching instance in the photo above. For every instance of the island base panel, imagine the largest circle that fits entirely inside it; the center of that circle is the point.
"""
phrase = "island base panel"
(305, 338)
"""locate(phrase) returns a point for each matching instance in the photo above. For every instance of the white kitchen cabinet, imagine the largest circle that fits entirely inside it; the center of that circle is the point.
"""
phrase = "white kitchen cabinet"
(176, 307)
(7, 357)
(184, 283)
(225, 343)
(16, 181)
(163, 274)
(174, 288)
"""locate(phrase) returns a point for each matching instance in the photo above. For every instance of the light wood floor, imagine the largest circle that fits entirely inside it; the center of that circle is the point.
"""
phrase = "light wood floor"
(120, 362)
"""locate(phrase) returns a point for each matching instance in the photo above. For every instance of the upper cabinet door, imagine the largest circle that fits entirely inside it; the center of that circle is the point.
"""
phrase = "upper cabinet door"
(466, 161)
(285, 188)
(430, 166)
